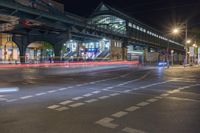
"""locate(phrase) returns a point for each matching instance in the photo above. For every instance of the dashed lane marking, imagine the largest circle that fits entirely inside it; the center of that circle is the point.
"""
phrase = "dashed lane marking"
(164, 95)
(126, 91)
(120, 114)
(80, 85)
(62, 108)
(53, 106)
(106, 122)
(96, 92)
(76, 105)
(131, 130)
(174, 91)
(88, 95)
(52, 91)
(142, 104)
(184, 99)
(66, 102)
(3, 99)
(114, 94)
(91, 100)
(104, 97)
(77, 98)
(62, 89)
(158, 97)
(40, 94)
(26, 97)
(107, 88)
(11, 100)
(152, 100)
(132, 108)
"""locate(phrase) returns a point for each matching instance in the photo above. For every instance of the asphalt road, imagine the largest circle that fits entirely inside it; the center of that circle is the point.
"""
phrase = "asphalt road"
(106, 99)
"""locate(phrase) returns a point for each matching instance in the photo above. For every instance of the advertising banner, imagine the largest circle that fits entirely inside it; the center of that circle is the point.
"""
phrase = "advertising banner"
(199, 55)
(191, 51)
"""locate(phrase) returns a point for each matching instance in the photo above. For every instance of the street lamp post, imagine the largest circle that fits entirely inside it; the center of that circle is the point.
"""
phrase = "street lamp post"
(186, 42)
(186, 48)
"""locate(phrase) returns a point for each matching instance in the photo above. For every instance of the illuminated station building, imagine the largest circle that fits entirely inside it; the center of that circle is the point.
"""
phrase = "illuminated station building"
(146, 45)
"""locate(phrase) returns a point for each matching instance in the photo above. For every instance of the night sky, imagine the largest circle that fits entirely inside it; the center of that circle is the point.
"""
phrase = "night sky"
(160, 14)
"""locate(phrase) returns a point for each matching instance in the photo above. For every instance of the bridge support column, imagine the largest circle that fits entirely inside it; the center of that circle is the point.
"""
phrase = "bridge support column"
(145, 54)
(22, 42)
(57, 51)
(124, 50)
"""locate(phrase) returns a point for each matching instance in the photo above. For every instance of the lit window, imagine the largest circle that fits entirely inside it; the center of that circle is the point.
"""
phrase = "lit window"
(130, 24)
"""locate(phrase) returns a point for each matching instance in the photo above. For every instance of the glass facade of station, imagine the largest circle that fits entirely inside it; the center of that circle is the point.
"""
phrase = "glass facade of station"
(39, 52)
(88, 50)
(9, 52)
(110, 22)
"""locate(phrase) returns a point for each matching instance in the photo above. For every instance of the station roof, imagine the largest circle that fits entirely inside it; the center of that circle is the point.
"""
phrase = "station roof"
(104, 9)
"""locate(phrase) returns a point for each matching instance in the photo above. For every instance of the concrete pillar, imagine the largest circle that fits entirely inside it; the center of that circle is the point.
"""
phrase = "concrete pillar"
(145, 54)
(57, 52)
(124, 50)
(22, 42)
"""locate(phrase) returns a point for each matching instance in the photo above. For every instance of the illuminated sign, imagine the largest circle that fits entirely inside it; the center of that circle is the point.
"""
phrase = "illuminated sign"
(191, 51)
(199, 55)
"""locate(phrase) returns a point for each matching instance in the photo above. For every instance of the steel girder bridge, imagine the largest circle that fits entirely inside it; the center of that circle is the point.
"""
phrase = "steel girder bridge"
(28, 24)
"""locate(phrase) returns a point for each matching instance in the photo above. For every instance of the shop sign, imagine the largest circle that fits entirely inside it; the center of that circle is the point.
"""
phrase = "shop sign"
(199, 55)
(191, 51)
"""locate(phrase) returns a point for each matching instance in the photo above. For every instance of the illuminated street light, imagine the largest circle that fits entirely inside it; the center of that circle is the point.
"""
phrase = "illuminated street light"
(194, 45)
(188, 41)
(175, 31)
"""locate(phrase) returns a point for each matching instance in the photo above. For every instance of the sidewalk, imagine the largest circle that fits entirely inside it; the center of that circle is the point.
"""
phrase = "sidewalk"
(69, 64)
(182, 66)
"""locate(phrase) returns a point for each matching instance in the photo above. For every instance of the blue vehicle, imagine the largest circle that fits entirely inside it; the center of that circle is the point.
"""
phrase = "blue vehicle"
(162, 63)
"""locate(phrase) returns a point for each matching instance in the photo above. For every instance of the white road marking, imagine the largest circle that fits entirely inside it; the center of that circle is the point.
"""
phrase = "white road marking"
(66, 102)
(76, 105)
(152, 100)
(120, 84)
(174, 91)
(150, 85)
(40, 94)
(52, 91)
(62, 108)
(77, 98)
(142, 104)
(115, 94)
(80, 85)
(132, 108)
(3, 99)
(91, 100)
(69, 87)
(53, 106)
(26, 97)
(158, 97)
(96, 92)
(131, 130)
(164, 95)
(106, 122)
(87, 95)
(104, 97)
(107, 88)
(120, 114)
(184, 99)
(11, 100)
(126, 91)
(62, 89)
